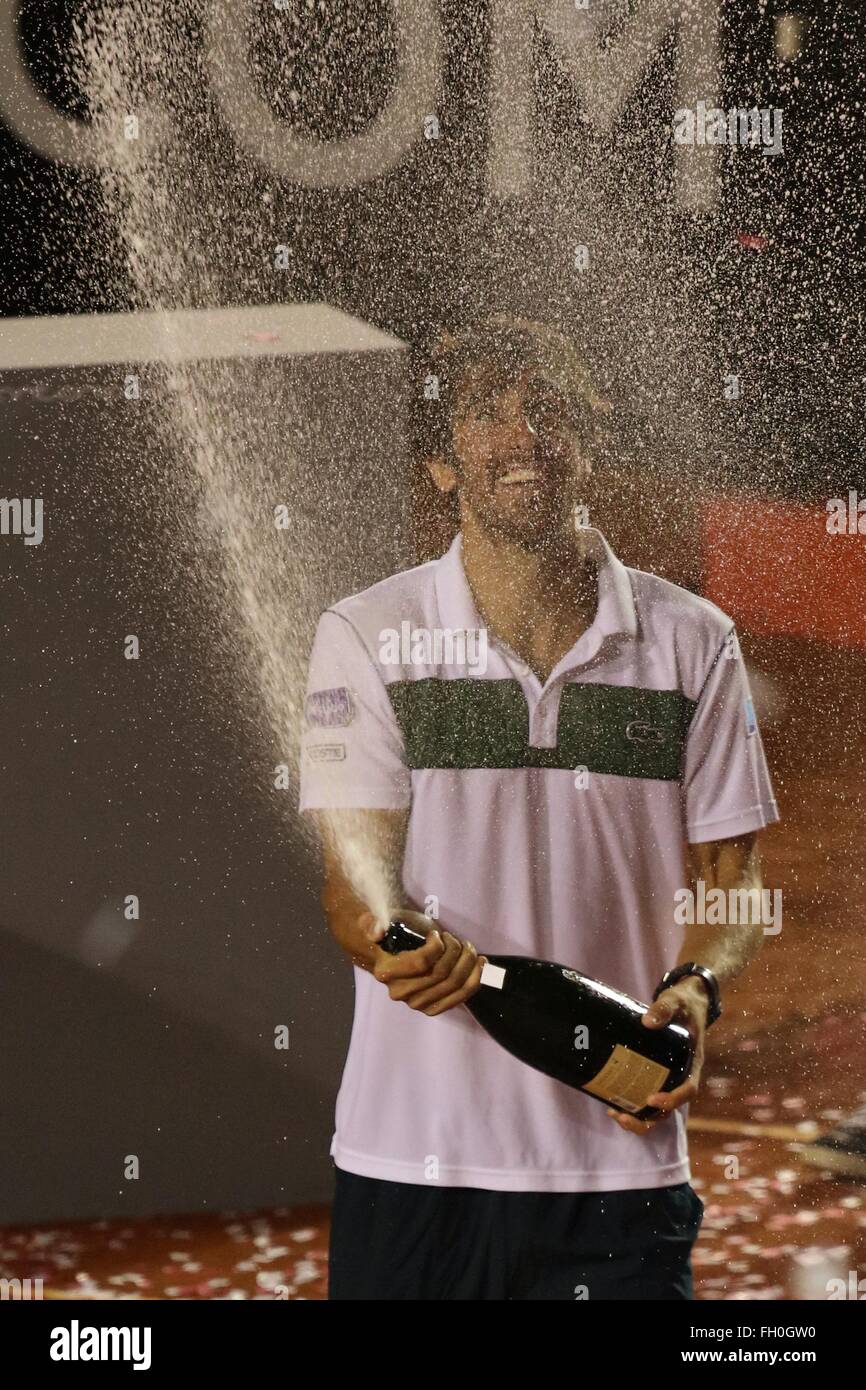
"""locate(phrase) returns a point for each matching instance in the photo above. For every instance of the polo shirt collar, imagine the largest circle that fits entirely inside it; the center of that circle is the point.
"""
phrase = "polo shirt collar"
(615, 613)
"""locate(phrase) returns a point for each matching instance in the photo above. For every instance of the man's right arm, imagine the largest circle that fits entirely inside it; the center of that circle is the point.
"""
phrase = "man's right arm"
(442, 973)
(352, 747)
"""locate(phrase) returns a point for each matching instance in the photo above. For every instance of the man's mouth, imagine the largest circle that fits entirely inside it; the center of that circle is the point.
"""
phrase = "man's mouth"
(519, 475)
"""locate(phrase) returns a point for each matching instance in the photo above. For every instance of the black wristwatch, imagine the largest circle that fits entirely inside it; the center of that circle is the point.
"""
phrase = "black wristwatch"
(679, 972)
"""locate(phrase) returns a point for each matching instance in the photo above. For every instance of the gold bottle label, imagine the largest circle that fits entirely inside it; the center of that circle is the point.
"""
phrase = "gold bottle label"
(627, 1078)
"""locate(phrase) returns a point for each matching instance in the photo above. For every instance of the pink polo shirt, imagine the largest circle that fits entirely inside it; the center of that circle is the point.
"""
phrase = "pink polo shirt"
(546, 819)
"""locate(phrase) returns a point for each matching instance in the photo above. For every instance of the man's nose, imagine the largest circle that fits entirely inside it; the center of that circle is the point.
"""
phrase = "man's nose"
(534, 435)
(524, 428)
(525, 441)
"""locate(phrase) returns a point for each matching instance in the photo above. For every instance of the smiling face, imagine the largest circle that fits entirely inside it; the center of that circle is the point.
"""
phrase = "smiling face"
(520, 455)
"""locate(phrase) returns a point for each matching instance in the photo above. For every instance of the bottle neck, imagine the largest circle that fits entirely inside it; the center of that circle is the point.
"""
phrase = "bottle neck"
(493, 975)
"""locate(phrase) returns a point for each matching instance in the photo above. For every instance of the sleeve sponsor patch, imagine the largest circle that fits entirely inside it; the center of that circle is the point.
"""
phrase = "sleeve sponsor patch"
(330, 709)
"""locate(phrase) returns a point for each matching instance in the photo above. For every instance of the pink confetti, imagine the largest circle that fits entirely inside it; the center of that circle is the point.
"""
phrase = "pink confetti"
(752, 241)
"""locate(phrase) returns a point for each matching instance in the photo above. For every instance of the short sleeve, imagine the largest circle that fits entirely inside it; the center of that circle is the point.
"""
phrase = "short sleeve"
(351, 746)
(726, 782)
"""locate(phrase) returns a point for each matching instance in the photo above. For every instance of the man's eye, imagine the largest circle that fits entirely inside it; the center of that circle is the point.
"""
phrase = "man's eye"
(550, 406)
(548, 417)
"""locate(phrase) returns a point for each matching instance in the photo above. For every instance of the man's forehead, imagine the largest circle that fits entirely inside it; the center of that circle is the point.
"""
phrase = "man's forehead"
(484, 378)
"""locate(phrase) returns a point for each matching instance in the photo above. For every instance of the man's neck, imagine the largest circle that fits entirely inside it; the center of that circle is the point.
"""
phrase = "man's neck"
(537, 601)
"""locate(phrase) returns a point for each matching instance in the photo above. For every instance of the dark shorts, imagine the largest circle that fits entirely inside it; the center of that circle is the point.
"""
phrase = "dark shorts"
(408, 1241)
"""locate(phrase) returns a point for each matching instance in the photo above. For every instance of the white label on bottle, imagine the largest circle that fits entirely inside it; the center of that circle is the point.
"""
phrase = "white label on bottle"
(493, 975)
(627, 1079)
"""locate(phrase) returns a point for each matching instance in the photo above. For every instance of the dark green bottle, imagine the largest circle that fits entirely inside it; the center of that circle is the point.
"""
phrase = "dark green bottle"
(572, 1028)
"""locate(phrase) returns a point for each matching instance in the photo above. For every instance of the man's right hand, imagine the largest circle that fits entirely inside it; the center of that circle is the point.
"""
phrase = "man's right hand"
(439, 975)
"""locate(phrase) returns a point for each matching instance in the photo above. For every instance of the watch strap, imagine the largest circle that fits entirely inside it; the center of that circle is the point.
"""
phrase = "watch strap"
(679, 972)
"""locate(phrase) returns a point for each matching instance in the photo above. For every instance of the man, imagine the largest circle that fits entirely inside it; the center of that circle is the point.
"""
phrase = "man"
(521, 738)
(842, 1150)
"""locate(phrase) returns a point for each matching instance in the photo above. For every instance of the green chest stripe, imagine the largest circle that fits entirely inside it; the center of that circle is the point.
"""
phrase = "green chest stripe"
(622, 730)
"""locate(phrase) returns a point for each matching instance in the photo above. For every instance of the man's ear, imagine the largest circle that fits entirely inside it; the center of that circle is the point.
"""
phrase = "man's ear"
(442, 473)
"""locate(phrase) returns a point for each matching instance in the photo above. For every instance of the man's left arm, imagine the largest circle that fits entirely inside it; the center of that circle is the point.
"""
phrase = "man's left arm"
(727, 799)
(725, 950)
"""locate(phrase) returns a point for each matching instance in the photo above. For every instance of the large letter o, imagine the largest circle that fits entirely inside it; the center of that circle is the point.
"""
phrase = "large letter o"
(326, 163)
(29, 114)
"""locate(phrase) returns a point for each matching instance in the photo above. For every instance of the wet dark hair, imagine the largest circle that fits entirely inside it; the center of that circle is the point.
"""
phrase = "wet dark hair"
(505, 345)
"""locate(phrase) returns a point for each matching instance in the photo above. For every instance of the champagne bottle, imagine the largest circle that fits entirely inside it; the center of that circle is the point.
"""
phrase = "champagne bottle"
(572, 1028)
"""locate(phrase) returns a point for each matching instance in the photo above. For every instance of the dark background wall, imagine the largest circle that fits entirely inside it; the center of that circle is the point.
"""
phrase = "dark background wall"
(156, 1038)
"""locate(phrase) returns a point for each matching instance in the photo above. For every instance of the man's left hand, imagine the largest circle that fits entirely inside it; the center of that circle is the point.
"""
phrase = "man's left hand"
(687, 1003)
